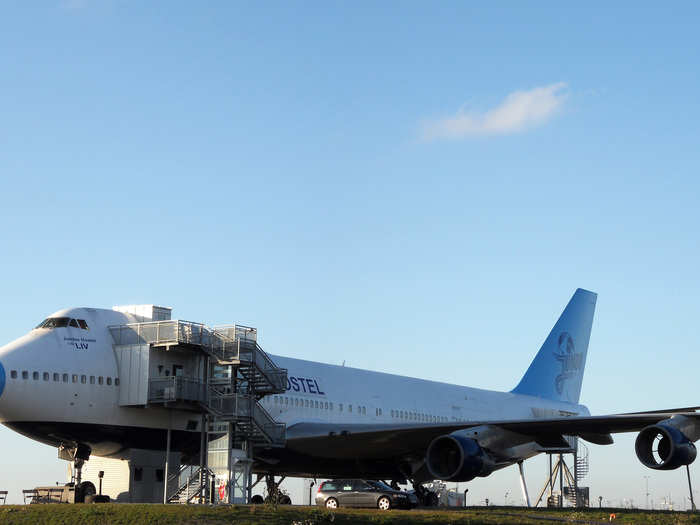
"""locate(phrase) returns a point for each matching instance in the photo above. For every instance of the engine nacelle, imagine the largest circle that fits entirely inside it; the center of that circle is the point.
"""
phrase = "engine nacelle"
(664, 447)
(457, 458)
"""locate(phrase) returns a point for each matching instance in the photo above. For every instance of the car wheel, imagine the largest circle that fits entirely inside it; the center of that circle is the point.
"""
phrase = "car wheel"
(257, 500)
(384, 503)
(285, 500)
(331, 503)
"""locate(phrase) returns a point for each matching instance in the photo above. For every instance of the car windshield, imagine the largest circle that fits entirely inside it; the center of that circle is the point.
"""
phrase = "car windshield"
(379, 484)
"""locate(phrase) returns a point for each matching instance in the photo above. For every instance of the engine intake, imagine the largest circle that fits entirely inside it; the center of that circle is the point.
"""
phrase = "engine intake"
(457, 458)
(664, 447)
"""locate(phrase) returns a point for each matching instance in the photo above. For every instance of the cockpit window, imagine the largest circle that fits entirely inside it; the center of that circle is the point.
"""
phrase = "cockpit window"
(55, 322)
(62, 322)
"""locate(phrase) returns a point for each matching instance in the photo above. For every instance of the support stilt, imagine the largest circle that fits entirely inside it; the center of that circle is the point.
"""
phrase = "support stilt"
(167, 463)
(690, 488)
(523, 485)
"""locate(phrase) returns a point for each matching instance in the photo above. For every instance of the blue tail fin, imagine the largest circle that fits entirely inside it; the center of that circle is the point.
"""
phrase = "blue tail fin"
(557, 371)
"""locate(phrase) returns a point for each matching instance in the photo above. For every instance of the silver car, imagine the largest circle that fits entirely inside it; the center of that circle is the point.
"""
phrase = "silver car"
(360, 493)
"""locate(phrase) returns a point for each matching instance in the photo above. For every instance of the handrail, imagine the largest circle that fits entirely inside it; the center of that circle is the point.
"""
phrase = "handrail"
(218, 342)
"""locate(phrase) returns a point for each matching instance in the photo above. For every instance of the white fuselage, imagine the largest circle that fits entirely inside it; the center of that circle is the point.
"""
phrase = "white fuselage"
(63, 381)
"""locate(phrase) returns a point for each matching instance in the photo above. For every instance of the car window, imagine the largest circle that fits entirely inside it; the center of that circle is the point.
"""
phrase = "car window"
(380, 485)
(360, 485)
(347, 486)
(329, 486)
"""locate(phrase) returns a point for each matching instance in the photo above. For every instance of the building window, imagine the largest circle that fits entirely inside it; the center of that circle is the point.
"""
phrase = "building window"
(138, 474)
(56, 376)
(159, 475)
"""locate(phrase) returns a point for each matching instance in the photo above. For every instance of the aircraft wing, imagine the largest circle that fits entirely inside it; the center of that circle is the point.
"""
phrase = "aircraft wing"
(358, 440)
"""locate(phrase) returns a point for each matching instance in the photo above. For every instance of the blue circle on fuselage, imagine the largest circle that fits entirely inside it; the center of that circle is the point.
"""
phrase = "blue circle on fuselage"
(2, 378)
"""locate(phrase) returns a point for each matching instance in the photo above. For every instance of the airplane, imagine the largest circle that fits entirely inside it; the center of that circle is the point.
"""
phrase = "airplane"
(341, 421)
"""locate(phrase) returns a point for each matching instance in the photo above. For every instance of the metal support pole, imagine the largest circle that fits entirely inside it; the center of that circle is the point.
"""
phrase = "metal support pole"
(551, 482)
(167, 463)
(229, 464)
(561, 480)
(202, 455)
(690, 488)
(523, 486)
(576, 475)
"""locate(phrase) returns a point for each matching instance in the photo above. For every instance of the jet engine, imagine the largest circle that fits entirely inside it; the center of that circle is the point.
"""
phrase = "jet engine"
(454, 457)
(664, 447)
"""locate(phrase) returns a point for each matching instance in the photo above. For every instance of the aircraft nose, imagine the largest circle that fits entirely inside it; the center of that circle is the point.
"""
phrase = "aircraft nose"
(2, 378)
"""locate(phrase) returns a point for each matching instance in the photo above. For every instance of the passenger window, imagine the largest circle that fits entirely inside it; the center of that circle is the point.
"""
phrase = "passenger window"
(92, 380)
(13, 374)
(83, 379)
(99, 380)
(75, 378)
(73, 323)
(83, 324)
(116, 381)
(35, 376)
(56, 376)
(109, 380)
(46, 376)
(25, 374)
(65, 378)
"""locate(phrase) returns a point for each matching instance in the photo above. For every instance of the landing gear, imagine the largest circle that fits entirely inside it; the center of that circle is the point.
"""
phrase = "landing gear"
(85, 492)
(274, 493)
(78, 453)
(426, 498)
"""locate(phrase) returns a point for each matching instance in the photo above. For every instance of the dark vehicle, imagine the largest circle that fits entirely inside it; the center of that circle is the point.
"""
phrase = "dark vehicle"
(360, 493)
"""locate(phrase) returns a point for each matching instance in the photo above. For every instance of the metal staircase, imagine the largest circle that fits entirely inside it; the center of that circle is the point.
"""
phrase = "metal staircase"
(232, 396)
(188, 483)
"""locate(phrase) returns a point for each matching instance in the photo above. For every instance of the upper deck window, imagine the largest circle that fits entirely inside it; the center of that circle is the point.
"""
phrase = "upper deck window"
(62, 322)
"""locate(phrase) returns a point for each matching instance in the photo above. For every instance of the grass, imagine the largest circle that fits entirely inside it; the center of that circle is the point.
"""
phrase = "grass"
(126, 514)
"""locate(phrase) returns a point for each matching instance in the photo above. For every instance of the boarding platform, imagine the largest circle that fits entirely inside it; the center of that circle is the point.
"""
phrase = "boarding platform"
(219, 373)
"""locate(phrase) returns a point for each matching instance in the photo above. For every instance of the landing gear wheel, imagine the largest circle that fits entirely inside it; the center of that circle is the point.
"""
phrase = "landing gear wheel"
(257, 500)
(331, 503)
(384, 503)
(85, 492)
(285, 500)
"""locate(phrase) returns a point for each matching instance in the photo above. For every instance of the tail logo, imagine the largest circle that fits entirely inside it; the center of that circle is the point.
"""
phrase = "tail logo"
(571, 361)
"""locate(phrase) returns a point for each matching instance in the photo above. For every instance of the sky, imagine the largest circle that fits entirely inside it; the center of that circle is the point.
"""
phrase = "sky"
(408, 187)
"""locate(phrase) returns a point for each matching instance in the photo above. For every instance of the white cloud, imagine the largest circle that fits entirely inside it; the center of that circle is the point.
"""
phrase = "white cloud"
(519, 111)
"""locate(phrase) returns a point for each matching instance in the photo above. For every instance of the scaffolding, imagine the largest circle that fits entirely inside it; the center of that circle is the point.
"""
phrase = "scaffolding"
(219, 373)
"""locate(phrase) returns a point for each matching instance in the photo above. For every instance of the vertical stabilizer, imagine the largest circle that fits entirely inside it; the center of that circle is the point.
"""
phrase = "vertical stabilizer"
(557, 371)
